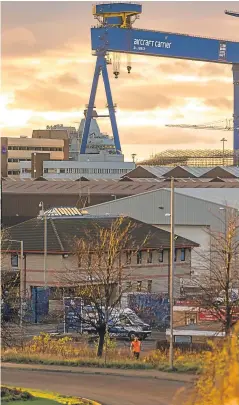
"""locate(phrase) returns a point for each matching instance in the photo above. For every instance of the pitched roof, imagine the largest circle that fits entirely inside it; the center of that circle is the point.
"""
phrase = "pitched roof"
(104, 187)
(61, 231)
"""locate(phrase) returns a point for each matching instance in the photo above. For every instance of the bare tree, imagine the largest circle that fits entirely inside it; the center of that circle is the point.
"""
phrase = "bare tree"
(10, 296)
(219, 281)
(102, 273)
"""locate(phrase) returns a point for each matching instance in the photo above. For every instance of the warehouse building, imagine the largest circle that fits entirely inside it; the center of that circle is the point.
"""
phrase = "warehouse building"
(21, 198)
(197, 212)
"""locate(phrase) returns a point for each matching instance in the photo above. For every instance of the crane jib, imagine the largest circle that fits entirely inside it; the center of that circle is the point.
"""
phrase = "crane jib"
(156, 43)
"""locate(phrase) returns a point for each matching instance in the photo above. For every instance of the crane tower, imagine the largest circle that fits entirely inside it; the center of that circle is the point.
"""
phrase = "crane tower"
(115, 33)
(112, 15)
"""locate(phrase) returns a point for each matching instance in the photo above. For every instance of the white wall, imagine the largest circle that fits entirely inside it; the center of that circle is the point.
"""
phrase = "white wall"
(198, 234)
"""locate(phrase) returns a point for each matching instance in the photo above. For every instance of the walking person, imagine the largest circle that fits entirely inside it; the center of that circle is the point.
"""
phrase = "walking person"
(135, 347)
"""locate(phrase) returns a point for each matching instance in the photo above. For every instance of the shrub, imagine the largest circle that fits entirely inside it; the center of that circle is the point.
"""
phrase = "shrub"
(219, 381)
(14, 394)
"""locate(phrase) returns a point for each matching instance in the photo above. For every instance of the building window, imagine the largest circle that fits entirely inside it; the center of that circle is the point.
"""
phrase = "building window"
(129, 286)
(45, 170)
(139, 286)
(149, 286)
(62, 171)
(14, 260)
(175, 254)
(128, 257)
(183, 254)
(150, 257)
(161, 256)
(139, 257)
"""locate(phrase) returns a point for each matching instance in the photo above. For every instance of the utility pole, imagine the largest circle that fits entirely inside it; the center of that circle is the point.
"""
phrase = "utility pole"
(43, 214)
(223, 140)
(171, 289)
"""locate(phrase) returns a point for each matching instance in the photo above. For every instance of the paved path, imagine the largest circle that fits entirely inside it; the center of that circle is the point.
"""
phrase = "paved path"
(135, 388)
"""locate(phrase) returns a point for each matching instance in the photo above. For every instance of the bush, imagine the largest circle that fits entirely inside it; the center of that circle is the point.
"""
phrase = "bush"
(219, 382)
(13, 394)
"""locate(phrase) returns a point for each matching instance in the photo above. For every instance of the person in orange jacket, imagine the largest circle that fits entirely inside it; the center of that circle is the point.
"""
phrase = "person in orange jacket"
(136, 347)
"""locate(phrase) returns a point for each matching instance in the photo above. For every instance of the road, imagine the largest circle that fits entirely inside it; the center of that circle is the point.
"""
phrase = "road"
(33, 330)
(109, 390)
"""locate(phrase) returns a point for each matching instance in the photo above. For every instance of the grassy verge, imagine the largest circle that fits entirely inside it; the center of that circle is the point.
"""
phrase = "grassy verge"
(34, 401)
(45, 350)
(19, 396)
(180, 365)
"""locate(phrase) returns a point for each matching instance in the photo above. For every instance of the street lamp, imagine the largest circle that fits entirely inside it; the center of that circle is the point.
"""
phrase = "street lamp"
(223, 140)
(22, 287)
(43, 214)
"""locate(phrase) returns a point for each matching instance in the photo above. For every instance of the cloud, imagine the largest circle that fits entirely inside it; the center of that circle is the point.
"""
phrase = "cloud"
(222, 102)
(47, 97)
(165, 136)
(66, 80)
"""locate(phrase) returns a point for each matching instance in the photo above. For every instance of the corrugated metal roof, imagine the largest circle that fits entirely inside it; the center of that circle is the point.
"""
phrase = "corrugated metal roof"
(232, 169)
(63, 211)
(196, 171)
(158, 171)
(106, 186)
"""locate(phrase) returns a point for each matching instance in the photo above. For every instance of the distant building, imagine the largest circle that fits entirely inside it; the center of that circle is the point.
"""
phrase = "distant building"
(99, 166)
(17, 150)
(192, 157)
(20, 198)
(194, 173)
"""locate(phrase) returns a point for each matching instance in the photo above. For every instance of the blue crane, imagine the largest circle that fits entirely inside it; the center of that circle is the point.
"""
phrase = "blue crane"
(114, 33)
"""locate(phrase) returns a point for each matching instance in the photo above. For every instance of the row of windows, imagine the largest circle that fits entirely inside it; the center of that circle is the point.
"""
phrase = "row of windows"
(180, 255)
(13, 172)
(86, 171)
(35, 148)
(160, 258)
(15, 160)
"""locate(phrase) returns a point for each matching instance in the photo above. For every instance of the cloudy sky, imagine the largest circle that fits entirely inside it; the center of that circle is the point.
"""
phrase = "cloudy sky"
(47, 70)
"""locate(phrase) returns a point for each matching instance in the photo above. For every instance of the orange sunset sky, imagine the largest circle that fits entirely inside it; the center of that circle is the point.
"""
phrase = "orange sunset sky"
(47, 70)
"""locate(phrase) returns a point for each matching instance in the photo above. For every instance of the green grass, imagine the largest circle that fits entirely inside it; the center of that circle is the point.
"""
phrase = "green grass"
(32, 401)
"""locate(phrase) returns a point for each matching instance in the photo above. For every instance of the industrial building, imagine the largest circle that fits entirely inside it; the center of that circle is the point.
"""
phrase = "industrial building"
(17, 150)
(198, 211)
(147, 268)
(193, 157)
(20, 198)
(207, 174)
(92, 166)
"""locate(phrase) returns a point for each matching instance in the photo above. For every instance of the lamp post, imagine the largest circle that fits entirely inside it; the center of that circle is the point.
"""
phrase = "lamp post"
(223, 140)
(171, 285)
(22, 286)
(43, 214)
